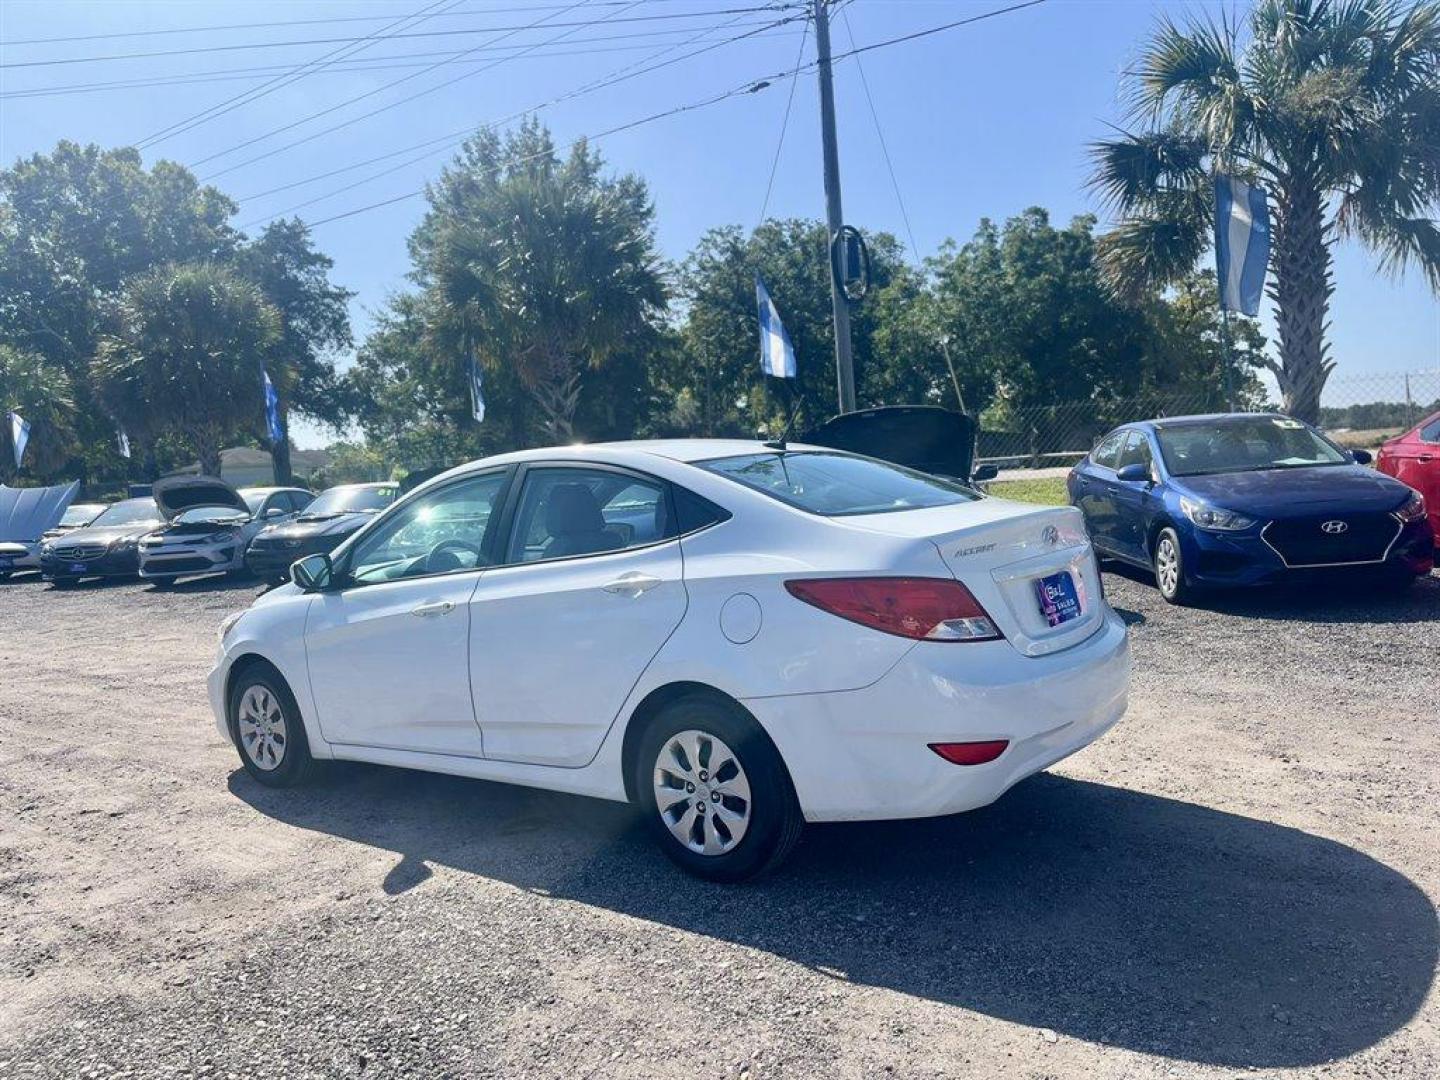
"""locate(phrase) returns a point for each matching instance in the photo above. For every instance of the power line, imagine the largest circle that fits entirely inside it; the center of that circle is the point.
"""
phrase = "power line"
(784, 124)
(880, 134)
(444, 142)
(749, 87)
(528, 9)
(344, 66)
(287, 79)
(382, 89)
(402, 101)
(770, 7)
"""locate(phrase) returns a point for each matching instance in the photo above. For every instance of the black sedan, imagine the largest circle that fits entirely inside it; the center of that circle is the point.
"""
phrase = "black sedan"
(107, 547)
(335, 514)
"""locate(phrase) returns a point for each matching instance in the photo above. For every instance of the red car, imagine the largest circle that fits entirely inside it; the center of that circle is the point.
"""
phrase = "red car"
(1414, 459)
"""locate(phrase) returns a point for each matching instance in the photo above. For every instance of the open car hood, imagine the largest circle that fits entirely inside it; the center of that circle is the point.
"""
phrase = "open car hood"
(923, 437)
(176, 494)
(25, 513)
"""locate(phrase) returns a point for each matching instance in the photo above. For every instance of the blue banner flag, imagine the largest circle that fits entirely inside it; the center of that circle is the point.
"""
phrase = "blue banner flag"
(477, 388)
(19, 435)
(272, 411)
(1242, 243)
(777, 355)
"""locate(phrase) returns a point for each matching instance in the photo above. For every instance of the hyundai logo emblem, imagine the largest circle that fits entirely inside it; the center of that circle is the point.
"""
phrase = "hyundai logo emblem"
(1334, 528)
(1051, 536)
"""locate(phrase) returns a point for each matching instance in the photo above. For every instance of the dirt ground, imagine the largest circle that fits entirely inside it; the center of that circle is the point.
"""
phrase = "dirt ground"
(1240, 880)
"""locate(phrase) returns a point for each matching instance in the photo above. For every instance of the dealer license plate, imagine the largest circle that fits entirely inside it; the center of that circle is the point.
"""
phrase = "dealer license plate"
(1059, 601)
(77, 567)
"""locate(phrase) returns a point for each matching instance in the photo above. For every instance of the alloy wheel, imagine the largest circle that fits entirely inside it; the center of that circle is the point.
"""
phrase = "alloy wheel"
(702, 792)
(263, 732)
(1167, 566)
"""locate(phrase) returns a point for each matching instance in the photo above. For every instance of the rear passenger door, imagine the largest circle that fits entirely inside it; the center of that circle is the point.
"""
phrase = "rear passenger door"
(589, 588)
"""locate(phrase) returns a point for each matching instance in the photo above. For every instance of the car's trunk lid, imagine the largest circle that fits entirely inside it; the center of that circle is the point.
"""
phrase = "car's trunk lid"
(923, 437)
(176, 494)
(1001, 551)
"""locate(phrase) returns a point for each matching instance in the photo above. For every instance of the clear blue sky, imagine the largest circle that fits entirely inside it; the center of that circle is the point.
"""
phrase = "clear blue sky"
(984, 120)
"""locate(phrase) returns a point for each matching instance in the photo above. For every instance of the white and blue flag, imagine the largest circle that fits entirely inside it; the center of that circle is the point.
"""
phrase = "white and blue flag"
(272, 411)
(777, 355)
(477, 388)
(1242, 243)
(122, 442)
(19, 435)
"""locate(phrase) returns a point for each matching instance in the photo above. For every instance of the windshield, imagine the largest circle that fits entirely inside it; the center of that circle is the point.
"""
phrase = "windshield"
(129, 512)
(346, 500)
(838, 484)
(207, 513)
(81, 514)
(1243, 444)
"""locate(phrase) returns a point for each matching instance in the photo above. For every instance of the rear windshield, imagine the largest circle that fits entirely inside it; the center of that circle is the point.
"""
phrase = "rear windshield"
(1243, 444)
(838, 484)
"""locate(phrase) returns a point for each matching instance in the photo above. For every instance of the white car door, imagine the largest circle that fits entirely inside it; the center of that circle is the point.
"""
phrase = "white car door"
(590, 589)
(389, 650)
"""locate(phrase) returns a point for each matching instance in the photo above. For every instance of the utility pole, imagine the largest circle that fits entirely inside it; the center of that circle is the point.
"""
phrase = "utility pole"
(834, 217)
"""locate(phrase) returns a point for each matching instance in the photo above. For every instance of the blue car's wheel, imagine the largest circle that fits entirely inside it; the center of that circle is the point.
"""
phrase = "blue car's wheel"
(1169, 565)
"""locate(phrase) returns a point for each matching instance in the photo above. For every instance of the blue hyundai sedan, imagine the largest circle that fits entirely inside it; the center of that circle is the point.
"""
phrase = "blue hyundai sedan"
(1245, 499)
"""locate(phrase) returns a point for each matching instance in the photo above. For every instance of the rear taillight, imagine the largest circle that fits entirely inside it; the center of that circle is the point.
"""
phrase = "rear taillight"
(926, 609)
(970, 753)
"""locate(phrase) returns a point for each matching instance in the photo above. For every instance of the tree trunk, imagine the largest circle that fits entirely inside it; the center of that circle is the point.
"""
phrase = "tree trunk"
(209, 455)
(1301, 292)
(558, 395)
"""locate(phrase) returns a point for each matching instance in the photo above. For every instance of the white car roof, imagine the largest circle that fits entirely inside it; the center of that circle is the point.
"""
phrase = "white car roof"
(686, 450)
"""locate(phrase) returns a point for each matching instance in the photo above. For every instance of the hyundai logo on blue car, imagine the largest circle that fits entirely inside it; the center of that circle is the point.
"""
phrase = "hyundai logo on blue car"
(1243, 499)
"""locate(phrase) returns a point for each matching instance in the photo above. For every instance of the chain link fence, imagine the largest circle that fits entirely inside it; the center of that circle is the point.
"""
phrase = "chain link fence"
(1358, 411)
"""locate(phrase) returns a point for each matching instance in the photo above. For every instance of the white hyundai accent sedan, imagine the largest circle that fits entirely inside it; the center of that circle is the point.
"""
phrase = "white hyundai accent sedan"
(736, 639)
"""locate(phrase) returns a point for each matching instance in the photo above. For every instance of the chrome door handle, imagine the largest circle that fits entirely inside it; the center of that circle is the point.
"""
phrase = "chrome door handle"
(440, 607)
(632, 584)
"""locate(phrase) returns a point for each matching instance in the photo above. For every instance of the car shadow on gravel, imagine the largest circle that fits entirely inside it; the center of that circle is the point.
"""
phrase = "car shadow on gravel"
(1101, 913)
(1319, 599)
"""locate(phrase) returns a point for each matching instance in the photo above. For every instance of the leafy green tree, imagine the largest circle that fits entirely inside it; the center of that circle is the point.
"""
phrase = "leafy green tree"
(187, 357)
(314, 324)
(40, 391)
(1334, 107)
(539, 265)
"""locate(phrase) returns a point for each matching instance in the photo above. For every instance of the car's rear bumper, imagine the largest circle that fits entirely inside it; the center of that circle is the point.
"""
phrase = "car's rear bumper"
(865, 754)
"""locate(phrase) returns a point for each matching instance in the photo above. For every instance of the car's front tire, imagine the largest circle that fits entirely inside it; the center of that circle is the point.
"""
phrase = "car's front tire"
(1169, 566)
(714, 791)
(266, 728)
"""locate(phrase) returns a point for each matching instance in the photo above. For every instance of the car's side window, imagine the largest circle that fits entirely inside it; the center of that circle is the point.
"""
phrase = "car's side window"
(694, 512)
(1136, 452)
(565, 512)
(439, 533)
(280, 500)
(1107, 453)
(1430, 432)
(300, 499)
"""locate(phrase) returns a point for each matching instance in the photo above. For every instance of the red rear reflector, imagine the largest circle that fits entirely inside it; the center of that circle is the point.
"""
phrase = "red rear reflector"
(970, 753)
(926, 609)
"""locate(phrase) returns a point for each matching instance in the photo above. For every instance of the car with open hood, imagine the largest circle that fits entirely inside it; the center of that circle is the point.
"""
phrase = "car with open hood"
(209, 524)
(1241, 499)
(336, 514)
(106, 548)
(26, 514)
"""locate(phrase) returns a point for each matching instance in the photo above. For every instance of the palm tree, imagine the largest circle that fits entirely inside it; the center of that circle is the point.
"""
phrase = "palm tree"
(541, 264)
(187, 359)
(40, 391)
(1333, 106)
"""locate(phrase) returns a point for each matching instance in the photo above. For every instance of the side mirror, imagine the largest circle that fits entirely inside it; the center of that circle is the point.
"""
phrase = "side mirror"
(312, 573)
(982, 473)
(1362, 457)
(271, 514)
(1134, 473)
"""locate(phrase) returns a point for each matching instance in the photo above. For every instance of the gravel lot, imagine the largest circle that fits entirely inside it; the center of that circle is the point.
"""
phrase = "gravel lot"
(1240, 880)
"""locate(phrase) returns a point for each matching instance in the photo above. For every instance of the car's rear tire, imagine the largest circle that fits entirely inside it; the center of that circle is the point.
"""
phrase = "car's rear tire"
(1169, 565)
(266, 728)
(707, 772)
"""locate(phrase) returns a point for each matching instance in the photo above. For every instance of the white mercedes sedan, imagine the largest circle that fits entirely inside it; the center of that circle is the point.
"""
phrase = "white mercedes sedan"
(735, 638)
